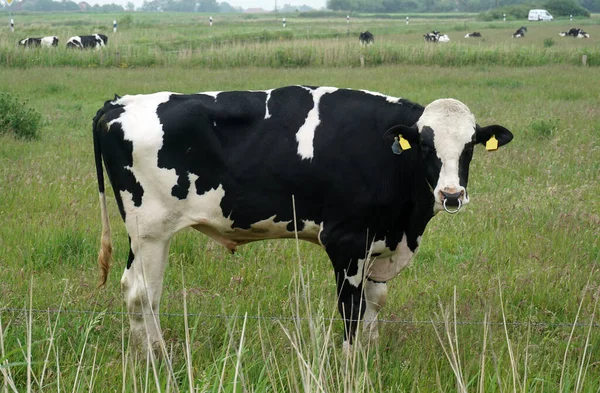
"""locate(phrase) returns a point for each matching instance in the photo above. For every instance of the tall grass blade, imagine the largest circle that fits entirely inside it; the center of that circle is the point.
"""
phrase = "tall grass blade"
(564, 365)
(583, 370)
(513, 363)
(29, 331)
(4, 368)
(188, 344)
(239, 354)
(52, 335)
(481, 388)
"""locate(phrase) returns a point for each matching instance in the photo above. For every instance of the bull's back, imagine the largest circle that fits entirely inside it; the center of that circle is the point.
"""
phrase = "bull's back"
(227, 160)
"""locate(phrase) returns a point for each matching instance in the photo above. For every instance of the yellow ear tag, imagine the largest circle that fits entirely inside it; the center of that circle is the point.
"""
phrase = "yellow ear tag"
(492, 144)
(404, 144)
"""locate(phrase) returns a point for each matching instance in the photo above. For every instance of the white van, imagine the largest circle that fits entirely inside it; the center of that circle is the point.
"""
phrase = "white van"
(541, 15)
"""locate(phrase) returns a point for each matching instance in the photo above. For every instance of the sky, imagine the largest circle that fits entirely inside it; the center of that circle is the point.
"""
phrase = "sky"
(265, 4)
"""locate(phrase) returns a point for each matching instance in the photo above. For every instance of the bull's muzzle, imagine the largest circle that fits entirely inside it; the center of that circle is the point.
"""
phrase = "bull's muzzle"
(452, 200)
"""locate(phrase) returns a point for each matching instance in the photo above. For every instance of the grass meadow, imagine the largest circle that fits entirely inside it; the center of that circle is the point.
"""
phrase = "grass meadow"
(148, 40)
(500, 298)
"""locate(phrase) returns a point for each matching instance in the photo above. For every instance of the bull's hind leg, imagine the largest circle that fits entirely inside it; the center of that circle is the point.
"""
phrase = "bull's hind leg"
(142, 284)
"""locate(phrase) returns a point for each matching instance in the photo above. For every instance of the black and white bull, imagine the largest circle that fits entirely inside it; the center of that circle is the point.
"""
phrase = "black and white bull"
(366, 172)
(574, 32)
(41, 41)
(366, 38)
(95, 41)
(520, 33)
(475, 34)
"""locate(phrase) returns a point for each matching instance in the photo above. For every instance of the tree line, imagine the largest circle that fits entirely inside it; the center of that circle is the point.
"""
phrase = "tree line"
(562, 7)
(417, 6)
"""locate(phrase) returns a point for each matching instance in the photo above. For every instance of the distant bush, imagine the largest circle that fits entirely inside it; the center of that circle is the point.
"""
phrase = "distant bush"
(126, 21)
(548, 42)
(518, 11)
(566, 8)
(17, 119)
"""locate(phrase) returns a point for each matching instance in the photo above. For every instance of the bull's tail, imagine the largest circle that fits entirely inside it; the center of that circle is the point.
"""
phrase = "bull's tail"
(105, 254)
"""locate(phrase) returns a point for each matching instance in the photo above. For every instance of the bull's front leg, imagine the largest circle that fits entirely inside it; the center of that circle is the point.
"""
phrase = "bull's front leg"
(348, 256)
(351, 304)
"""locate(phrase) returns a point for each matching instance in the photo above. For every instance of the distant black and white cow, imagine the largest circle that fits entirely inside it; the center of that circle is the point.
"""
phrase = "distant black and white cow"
(42, 41)
(361, 173)
(95, 41)
(520, 33)
(436, 36)
(473, 34)
(366, 38)
(574, 32)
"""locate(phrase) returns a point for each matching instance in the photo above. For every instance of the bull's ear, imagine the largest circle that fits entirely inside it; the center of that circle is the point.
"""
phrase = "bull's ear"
(401, 137)
(492, 136)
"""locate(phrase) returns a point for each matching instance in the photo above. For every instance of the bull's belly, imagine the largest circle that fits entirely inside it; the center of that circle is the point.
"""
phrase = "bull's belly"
(231, 237)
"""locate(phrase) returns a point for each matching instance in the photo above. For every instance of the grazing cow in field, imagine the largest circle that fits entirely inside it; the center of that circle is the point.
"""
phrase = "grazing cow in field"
(574, 32)
(366, 38)
(473, 34)
(357, 172)
(95, 41)
(520, 33)
(42, 41)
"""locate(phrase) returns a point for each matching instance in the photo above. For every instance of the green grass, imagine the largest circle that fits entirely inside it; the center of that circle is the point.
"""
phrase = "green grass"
(532, 228)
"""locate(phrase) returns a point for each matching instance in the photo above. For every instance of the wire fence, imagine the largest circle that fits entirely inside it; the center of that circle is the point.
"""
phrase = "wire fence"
(279, 318)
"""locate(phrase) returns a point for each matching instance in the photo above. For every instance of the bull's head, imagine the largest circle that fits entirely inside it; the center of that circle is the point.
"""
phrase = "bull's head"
(444, 137)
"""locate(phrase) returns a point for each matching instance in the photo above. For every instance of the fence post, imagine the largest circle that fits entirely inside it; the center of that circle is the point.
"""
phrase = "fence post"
(118, 59)
(362, 61)
(584, 60)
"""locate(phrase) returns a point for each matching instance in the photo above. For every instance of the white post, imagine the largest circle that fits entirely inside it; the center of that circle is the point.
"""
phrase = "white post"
(584, 60)
(348, 19)
(210, 21)
(504, 17)
(12, 25)
(283, 22)
(114, 26)
(407, 20)
(571, 18)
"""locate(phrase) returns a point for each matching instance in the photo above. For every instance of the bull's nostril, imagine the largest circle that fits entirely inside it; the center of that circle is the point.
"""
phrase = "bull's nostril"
(454, 195)
(452, 199)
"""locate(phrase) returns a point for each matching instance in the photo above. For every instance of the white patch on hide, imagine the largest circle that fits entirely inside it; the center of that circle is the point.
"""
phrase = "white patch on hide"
(356, 279)
(390, 99)
(212, 94)
(47, 41)
(267, 114)
(306, 134)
